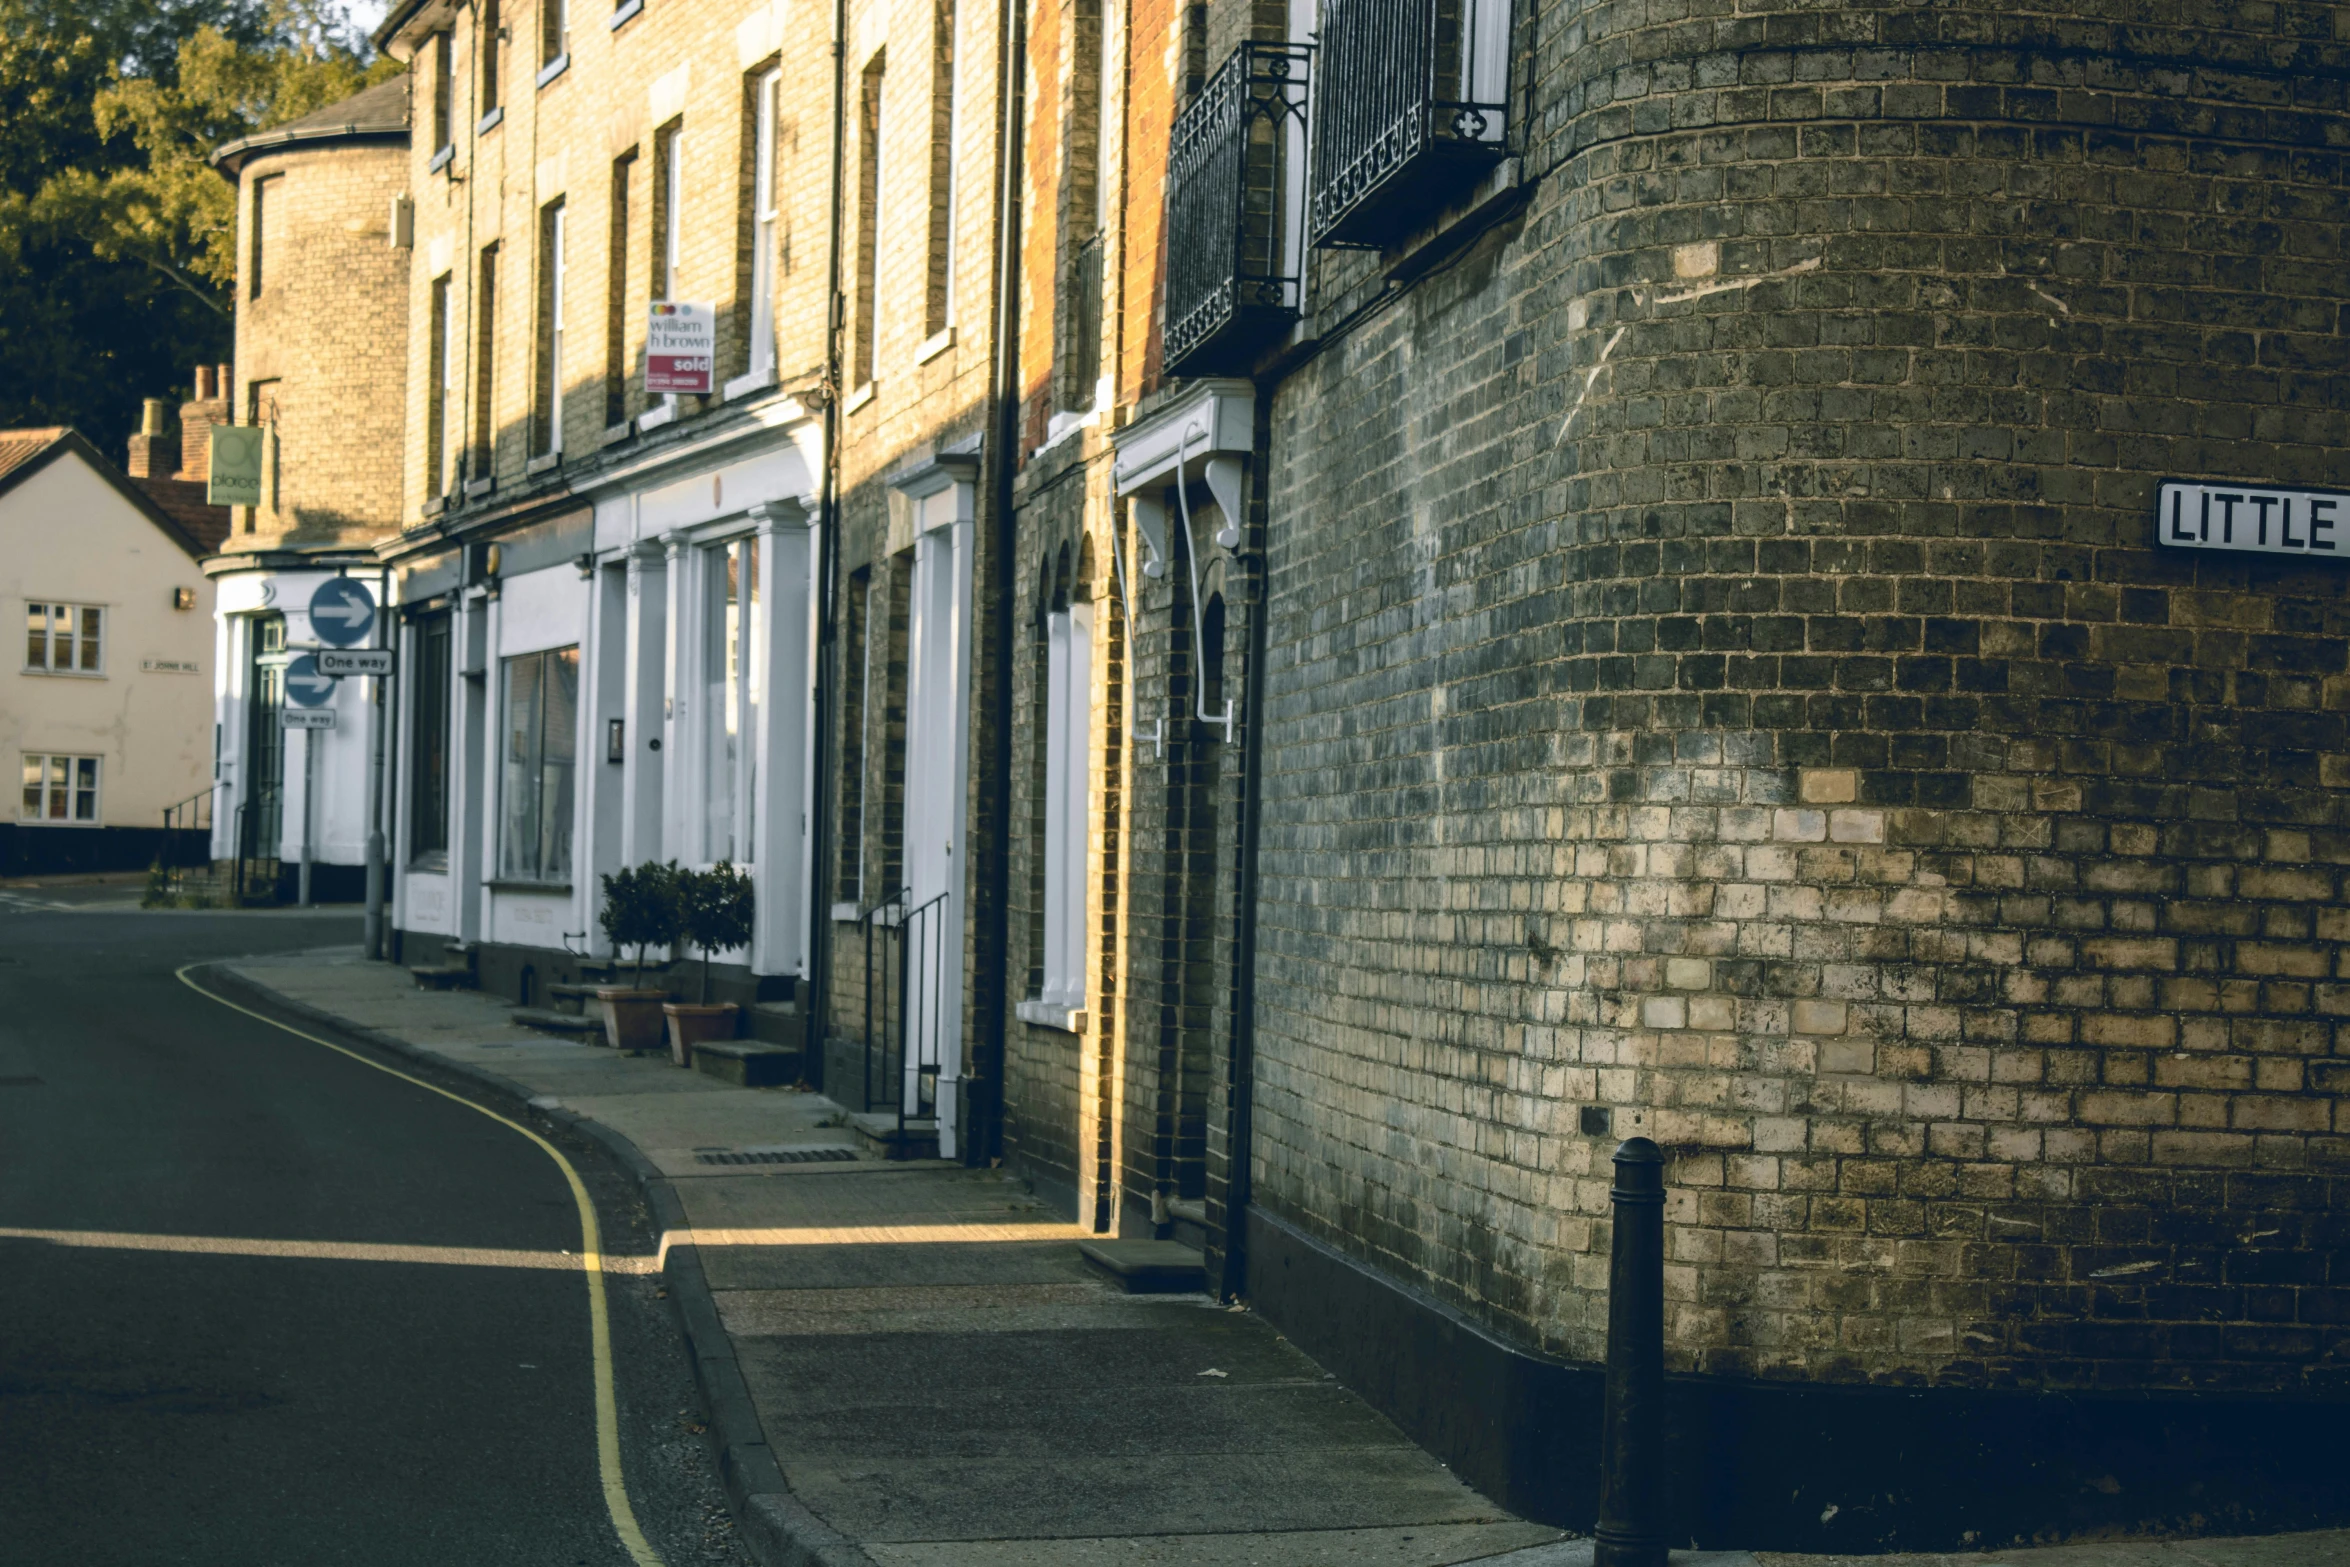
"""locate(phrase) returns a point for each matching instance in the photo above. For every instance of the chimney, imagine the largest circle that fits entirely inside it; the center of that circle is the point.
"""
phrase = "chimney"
(197, 417)
(154, 453)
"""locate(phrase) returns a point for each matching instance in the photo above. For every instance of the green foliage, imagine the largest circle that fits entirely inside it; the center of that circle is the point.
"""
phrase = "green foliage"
(718, 907)
(642, 909)
(117, 241)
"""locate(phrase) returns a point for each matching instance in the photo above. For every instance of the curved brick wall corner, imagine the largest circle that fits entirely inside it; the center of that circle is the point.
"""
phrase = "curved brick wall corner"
(1720, 670)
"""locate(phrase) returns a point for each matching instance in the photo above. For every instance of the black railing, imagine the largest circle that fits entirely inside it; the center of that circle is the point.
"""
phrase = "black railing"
(905, 1004)
(1409, 102)
(173, 861)
(1235, 183)
(257, 865)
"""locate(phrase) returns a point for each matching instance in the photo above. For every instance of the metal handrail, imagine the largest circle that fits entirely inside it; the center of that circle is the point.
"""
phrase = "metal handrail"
(919, 936)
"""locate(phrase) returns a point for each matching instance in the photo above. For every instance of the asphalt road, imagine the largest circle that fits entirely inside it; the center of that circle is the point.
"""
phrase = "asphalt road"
(181, 1400)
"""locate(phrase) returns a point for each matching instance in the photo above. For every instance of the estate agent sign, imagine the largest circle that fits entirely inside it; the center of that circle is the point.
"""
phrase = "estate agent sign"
(2258, 519)
(681, 348)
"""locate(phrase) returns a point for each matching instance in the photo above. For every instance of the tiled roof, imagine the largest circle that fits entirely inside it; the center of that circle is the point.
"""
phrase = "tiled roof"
(182, 500)
(18, 447)
(372, 113)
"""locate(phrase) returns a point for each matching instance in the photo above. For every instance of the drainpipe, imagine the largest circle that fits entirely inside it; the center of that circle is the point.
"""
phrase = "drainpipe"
(818, 996)
(1000, 458)
(1241, 1087)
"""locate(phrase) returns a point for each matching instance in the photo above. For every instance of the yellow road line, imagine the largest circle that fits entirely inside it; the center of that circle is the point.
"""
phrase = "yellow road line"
(591, 1262)
(327, 1251)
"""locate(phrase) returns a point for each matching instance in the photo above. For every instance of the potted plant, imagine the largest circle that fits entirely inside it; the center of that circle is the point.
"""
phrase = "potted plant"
(714, 913)
(640, 911)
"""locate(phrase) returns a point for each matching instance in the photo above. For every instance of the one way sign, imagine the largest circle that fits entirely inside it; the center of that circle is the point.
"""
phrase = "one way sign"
(355, 661)
(305, 686)
(342, 611)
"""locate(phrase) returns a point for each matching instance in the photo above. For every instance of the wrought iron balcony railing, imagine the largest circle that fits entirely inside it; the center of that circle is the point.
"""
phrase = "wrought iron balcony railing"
(1410, 103)
(1235, 194)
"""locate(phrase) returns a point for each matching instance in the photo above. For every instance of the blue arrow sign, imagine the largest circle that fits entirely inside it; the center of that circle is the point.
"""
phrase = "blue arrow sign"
(305, 686)
(342, 611)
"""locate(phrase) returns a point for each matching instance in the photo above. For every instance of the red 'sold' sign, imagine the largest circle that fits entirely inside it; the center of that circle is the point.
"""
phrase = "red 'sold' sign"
(681, 348)
(2260, 519)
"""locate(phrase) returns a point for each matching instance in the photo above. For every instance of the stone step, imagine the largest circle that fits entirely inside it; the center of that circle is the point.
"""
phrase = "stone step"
(747, 1063)
(879, 1134)
(1148, 1267)
(550, 1021)
(572, 998)
(778, 1023)
(441, 976)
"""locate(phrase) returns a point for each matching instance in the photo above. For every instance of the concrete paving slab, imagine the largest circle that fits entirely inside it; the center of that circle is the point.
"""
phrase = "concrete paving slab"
(1424, 1545)
(990, 1498)
(872, 1267)
(2315, 1548)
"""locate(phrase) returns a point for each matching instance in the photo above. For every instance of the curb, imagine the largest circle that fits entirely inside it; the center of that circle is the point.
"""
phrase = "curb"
(777, 1527)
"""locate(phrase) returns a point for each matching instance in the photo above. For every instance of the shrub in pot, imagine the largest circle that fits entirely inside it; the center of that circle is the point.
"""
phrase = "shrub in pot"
(715, 909)
(640, 910)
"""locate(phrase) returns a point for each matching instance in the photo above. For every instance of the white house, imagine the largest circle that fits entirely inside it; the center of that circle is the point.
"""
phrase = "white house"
(107, 720)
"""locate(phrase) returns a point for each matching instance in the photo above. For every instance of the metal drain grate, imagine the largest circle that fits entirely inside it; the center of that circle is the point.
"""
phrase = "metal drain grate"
(773, 1155)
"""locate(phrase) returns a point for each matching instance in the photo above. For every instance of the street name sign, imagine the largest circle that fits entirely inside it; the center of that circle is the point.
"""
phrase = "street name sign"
(342, 611)
(305, 686)
(232, 473)
(681, 348)
(2254, 519)
(355, 661)
(306, 717)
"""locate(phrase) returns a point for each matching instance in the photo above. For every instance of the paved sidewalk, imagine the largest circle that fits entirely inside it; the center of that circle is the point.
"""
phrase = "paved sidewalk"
(908, 1365)
(939, 1377)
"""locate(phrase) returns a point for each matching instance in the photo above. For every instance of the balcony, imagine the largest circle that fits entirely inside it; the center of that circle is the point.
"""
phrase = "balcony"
(1235, 189)
(1410, 107)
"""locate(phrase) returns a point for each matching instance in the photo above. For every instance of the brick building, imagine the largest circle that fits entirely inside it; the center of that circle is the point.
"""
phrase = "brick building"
(321, 354)
(1675, 530)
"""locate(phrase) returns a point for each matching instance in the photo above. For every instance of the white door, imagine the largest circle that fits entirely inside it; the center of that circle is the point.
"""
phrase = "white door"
(937, 737)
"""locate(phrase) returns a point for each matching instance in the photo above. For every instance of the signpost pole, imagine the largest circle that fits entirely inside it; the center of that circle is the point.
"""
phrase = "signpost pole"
(377, 687)
(309, 811)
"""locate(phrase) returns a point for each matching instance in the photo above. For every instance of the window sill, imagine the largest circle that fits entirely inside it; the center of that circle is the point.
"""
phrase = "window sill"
(626, 14)
(745, 385)
(440, 159)
(846, 913)
(1051, 1014)
(434, 862)
(614, 434)
(859, 398)
(475, 489)
(546, 464)
(934, 345)
(66, 674)
(1063, 425)
(44, 821)
(561, 887)
(490, 121)
(554, 68)
(435, 506)
(654, 418)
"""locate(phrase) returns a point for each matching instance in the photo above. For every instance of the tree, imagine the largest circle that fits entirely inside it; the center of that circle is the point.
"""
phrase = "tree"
(716, 909)
(117, 240)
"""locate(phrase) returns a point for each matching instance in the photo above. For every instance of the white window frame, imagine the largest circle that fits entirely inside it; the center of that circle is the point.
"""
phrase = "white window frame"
(1068, 794)
(557, 213)
(507, 868)
(47, 609)
(763, 221)
(43, 762)
(669, 212)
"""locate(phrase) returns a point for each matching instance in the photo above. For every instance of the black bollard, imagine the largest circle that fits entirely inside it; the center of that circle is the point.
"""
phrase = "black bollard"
(1632, 1430)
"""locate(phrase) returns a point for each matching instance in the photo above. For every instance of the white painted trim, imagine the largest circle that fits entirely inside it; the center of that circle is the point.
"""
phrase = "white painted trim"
(1213, 419)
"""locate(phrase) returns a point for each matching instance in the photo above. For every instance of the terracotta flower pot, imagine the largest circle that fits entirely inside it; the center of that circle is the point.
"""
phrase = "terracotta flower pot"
(692, 1023)
(632, 1017)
